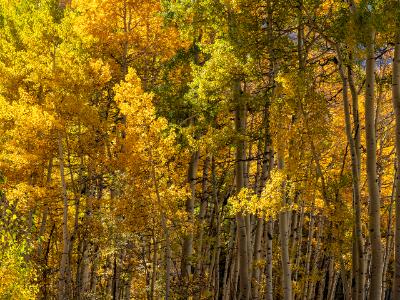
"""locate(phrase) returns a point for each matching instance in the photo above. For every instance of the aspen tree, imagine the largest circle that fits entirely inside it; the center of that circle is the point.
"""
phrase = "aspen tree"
(373, 190)
(359, 244)
(240, 122)
(396, 106)
(64, 265)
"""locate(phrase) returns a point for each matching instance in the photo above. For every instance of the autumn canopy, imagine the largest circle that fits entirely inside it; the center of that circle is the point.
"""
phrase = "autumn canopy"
(200, 149)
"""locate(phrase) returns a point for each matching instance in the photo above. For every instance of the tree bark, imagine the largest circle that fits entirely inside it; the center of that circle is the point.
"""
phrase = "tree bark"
(269, 293)
(373, 190)
(358, 248)
(164, 228)
(240, 121)
(265, 171)
(396, 106)
(188, 240)
(63, 281)
(284, 237)
(202, 213)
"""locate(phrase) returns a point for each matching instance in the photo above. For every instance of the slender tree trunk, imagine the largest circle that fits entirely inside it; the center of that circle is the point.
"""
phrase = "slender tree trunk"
(202, 214)
(284, 238)
(331, 274)
(286, 272)
(389, 245)
(316, 260)
(115, 280)
(358, 247)
(164, 227)
(154, 267)
(356, 117)
(235, 273)
(240, 183)
(333, 286)
(322, 283)
(63, 282)
(396, 106)
(308, 254)
(346, 287)
(218, 224)
(296, 250)
(265, 171)
(257, 257)
(373, 190)
(229, 260)
(45, 211)
(85, 267)
(269, 293)
(45, 272)
(93, 270)
(188, 240)
(359, 263)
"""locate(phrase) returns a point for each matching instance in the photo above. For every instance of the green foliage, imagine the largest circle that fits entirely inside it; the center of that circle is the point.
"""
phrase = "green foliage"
(17, 274)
